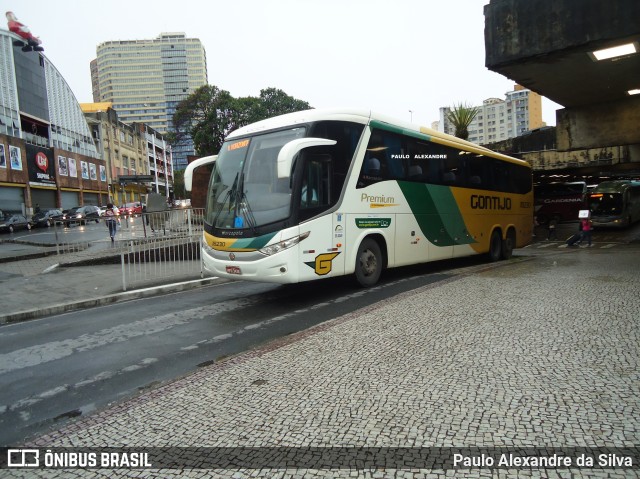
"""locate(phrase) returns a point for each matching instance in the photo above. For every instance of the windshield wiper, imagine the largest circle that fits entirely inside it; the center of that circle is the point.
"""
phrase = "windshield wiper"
(230, 191)
(242, 205)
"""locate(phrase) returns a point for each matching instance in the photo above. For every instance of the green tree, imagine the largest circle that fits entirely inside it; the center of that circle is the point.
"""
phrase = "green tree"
(274, 102)
(461, 116)
(209, 114)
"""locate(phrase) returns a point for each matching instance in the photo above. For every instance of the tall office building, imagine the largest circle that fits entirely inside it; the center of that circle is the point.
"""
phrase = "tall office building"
(146, 79)
(498, 120)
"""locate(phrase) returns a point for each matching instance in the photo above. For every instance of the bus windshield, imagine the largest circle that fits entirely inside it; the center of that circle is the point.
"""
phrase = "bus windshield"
(245, 191)
(602, 204)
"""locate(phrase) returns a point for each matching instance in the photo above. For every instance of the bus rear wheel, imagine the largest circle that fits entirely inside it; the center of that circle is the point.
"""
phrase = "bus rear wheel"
(508, 244)
(368, 263)
(495, 246)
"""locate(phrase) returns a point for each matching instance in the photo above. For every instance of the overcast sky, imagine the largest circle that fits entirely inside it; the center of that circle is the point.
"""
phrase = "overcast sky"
(388, 56)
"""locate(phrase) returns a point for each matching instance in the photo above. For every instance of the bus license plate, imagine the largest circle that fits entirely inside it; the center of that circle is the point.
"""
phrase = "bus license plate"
(233, 270)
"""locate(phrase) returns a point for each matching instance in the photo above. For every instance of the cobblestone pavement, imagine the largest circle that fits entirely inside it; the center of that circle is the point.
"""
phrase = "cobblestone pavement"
(540, 353)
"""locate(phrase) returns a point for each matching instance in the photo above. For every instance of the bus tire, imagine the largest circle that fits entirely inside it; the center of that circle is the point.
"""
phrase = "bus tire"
(368, 263)
(495, 246)
(508, 244)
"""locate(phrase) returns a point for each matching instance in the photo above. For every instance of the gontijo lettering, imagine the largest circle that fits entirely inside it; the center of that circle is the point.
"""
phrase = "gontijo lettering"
(484, 202)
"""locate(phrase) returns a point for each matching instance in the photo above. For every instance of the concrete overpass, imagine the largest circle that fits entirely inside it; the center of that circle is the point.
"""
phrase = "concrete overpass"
(548, 46)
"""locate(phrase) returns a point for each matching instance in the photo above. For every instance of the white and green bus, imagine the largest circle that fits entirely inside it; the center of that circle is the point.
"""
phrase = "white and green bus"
(615, 203)
(324, 193)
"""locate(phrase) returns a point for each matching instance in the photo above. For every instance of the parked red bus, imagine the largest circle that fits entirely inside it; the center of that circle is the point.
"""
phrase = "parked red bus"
(559, 201)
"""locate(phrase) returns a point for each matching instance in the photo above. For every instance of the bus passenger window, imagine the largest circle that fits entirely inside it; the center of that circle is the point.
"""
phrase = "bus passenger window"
(371, 171)
(372, 167)
(415, 172)
(449, 177)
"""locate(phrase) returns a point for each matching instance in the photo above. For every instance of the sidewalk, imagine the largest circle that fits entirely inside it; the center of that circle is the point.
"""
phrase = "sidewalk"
(37, 282)
(533, 354)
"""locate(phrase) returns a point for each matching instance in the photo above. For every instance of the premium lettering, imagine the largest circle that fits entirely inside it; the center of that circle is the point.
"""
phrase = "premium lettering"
(485, 202)
(377, 199)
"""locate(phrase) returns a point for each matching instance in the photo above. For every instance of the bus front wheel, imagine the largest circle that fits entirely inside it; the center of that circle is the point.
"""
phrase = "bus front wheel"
(495, 246)
(368, 263)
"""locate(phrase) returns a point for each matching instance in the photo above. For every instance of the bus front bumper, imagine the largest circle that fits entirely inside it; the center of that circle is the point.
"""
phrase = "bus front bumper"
(271, 269)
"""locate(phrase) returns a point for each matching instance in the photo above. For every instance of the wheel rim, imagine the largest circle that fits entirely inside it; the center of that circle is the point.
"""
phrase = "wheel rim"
(368, 262)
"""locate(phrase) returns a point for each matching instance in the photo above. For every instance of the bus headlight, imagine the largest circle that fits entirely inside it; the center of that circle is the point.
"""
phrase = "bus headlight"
(282, 245)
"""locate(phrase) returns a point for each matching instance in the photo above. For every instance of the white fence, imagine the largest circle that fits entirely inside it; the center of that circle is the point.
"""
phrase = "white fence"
(169, 250)
(152, 248)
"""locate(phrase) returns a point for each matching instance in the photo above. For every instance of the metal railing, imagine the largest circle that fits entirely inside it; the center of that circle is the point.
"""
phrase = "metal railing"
(169, 249)
(151, 248)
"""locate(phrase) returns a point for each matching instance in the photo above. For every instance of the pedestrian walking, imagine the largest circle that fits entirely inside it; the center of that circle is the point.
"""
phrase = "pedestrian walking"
(111, 215)
(585, 225)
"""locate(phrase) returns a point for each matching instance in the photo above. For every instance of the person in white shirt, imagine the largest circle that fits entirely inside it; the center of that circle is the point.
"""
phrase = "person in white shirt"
(111, 215)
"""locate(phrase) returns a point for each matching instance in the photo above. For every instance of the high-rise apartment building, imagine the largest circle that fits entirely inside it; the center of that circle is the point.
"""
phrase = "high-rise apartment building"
(146, 79)
(498, 120)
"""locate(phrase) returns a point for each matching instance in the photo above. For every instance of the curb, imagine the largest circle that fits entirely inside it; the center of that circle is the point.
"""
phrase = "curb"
(28, 315)
(12, 259)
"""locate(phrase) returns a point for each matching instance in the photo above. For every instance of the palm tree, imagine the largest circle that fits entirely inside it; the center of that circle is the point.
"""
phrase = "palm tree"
(461, 116)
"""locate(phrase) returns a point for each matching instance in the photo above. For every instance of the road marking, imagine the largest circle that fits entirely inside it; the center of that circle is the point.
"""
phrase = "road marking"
(608, 246)
(51, 268)
(46, 352)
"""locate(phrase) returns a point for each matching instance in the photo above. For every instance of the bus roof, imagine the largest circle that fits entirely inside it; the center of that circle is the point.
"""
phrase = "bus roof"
(365, 116)
(615, 186)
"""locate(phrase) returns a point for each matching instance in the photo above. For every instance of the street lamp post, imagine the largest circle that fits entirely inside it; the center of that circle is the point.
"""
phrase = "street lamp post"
(411, 112)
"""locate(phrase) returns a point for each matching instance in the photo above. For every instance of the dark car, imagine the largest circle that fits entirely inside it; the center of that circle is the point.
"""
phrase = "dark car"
(81, 215)
(13, 221)
(131, 209)
(48, 217)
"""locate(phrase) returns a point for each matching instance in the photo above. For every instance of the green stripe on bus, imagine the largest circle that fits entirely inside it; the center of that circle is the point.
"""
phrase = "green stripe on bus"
(400, 131)
(436, 212)
(252, 243)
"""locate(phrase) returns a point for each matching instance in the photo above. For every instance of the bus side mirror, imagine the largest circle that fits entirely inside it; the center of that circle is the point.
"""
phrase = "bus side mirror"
(188, 172)
(291, 149)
